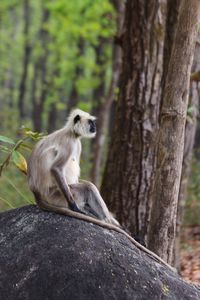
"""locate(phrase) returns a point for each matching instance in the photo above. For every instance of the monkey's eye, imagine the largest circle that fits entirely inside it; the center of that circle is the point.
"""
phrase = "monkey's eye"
(76, 119)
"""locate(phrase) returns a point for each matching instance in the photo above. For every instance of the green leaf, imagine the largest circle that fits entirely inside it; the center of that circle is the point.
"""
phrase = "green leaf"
(19, 161)
(33, 135)
(4, 149)
(26, 146)
(190, 109)
(5, 139)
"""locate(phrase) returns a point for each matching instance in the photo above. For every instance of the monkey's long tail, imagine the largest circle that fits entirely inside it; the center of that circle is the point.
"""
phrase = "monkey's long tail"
(66, 211)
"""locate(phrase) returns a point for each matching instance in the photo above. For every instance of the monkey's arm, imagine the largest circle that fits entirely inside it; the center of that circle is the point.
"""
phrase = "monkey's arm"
(57, 172)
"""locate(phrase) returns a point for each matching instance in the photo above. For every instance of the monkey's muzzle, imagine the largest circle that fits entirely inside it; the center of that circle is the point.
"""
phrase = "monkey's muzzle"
(92, 125)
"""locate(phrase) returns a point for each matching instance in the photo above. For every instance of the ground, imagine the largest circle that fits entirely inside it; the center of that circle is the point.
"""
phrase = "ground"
(190, 254)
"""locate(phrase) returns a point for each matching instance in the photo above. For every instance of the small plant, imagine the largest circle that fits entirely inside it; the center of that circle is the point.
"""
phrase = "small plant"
(14, 152)
(13, 149)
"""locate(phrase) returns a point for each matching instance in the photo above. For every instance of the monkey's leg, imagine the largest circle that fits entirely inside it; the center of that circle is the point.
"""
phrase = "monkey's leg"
(59, 177)
(90, 201)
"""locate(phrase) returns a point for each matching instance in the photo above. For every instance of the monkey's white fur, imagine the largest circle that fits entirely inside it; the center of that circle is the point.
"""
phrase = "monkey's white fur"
(62, 142)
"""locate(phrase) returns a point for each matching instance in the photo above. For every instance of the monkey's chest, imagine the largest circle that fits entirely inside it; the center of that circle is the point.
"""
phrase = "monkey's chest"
(72, 171)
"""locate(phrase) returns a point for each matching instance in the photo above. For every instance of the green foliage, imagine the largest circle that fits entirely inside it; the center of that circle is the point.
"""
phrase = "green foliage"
(192, 211)
(14, 147)
(7, 140)
(74, 31)
(14, 191)
(12, 153)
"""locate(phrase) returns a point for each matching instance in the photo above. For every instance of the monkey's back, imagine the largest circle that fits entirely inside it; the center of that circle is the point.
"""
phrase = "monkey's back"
(39, 165)
(58, 147)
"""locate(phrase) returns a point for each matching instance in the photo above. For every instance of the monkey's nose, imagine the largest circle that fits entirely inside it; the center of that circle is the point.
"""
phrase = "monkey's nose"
(92, 126)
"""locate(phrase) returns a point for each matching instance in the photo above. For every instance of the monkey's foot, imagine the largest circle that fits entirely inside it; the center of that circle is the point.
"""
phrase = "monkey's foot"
(75, 208)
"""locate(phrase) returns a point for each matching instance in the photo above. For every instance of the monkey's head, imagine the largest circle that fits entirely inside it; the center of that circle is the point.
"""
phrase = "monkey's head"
(82, 123)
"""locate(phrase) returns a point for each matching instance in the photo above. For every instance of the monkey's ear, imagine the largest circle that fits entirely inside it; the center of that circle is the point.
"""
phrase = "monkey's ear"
(76, 119)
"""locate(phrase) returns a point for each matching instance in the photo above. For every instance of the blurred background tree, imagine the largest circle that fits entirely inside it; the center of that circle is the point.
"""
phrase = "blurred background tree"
(56, 55)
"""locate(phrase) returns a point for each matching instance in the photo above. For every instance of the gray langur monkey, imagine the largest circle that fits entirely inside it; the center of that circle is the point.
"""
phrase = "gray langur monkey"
(53, 170)
(53, 177)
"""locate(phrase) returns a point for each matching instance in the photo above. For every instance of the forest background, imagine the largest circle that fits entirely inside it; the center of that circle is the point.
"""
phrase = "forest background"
(56, 55)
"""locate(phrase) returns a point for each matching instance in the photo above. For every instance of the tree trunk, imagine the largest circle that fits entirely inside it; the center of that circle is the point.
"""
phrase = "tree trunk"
(171, 133)
(52, 116)
(34, 97)
(170, 30)
(73, 98)
(9, 77)
(97, 104)
(74, 95)
(40, 76)
(190, 130)
(8, 88)
(26, 59)
(105, 104)
(127, 181)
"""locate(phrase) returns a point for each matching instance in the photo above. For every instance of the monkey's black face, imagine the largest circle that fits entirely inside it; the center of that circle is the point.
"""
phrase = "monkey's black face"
(84, 125)
(92, 125)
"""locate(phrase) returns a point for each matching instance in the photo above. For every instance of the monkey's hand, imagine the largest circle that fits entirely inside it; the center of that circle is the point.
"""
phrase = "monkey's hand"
(59, 177)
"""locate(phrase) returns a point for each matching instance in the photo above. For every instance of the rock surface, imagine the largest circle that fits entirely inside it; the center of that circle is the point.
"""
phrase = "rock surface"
(48, 256)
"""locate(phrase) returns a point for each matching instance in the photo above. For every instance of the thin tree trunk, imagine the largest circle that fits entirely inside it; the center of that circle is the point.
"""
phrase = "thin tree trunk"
(105, 104)
(10, 78)
(52, 116)
(40, 76)
(34, 98)
(52, 107)
(171, 133)
(190, 130)
(120, 8)
(99, 100)
(8, 87)
(127, 181)
(74, 95)
(26, 59)
(73, 99)
(170, 30)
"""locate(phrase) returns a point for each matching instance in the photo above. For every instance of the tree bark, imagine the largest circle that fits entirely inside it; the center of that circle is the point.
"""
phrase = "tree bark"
(9, 79)
(171, 24)
(97, 110)
(26, 59)
(190, 130)
(52, 116)
(105, 104)
(73, 98)
(34, 97)
(74, 95)
(170, 30)
(171, 133)
(40, 76)
(127, 181)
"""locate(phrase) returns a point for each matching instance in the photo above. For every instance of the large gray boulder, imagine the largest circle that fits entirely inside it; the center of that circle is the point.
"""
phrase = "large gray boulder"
(49, 256)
